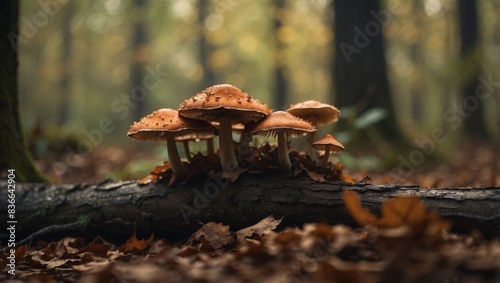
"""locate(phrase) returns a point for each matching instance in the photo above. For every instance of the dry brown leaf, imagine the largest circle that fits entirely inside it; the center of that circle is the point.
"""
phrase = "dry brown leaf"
(187, 251)
(159, 246)
(87, 257)
(363, 216)
(320, 230)
(399, 211)
(265, 226)
(347, 178)
(21, 251)
(214, 234)
(402, 211)
(147, 180)
(134, 244)
(330, 273)
(53, 262)
(91, 265)
(288, 237)
(114, 255)
(96, 249)
(315, 176)
(254, 249)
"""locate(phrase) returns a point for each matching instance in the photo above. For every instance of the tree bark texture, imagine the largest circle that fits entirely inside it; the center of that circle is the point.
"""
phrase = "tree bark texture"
(113, 208)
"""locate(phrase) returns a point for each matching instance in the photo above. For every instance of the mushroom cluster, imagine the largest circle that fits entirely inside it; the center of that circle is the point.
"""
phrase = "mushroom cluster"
(223, 109)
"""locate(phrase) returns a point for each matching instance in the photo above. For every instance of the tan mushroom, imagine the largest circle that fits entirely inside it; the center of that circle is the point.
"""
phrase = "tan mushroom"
(225, 104)
(164, 125)
(284, 125)
(318, 114)
(329, 144)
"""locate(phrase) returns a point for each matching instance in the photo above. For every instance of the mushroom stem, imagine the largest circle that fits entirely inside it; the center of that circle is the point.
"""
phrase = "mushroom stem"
(187, 151)
(283, 151)
(227, 156)
(210, 146)
(313, 153)
(173, 157)
(327, 155)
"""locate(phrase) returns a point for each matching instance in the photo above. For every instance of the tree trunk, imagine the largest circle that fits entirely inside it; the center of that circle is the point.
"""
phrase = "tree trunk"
(64, 83)
(280, 83)
(112, 209)
(208, 74)
(359, 67)
(470, 57)
(137, 72)
(13, 151)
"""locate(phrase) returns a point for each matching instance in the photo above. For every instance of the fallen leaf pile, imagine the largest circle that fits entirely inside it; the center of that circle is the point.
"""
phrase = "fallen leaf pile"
(406, 243)
(254, 161)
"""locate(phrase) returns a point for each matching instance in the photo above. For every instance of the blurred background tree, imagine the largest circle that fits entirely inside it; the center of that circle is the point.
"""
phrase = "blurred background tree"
(13, 151)
(470, 65)
(81, 62)
(359, 68)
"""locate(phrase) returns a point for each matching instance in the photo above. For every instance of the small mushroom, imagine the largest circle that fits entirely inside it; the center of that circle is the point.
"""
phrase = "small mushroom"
(164, 125)
(318, 114)
(227, 105)
(284, 125)
(329, 144)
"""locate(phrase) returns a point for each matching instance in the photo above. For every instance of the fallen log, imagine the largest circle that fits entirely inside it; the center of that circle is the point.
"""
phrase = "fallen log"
(113, 208)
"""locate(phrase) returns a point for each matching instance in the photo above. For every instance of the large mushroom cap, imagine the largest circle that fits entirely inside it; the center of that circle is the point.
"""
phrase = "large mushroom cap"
(328, 140)
(224, 100)
(154, 126)
(280, 121)
(316, 112)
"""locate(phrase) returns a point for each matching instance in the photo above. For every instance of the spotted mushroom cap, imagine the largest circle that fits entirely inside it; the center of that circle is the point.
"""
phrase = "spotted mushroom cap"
(280, 121)
(315, 111)
(224, 100)
(154, 126)
(335, 145)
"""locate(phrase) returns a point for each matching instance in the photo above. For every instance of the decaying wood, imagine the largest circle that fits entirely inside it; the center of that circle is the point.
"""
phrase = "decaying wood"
(113, 208)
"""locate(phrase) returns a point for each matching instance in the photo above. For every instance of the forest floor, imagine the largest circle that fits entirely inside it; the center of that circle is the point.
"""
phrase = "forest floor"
(412, 251)
(474, 164)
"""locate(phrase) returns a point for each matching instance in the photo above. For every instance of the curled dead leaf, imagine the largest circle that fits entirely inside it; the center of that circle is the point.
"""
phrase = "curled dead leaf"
(265, 226)
(134, 244)
(399, 211)
(215, 235)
